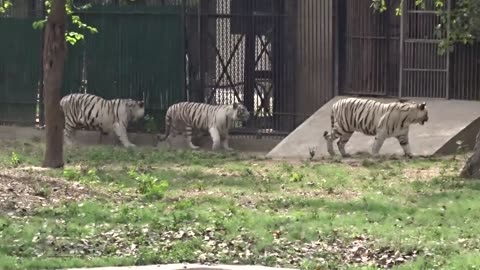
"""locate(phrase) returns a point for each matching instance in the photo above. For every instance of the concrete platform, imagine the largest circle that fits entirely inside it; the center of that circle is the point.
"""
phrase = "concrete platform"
(449, 121)
(188, 267)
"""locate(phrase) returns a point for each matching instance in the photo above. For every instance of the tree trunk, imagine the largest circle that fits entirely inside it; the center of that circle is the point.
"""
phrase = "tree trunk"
(54, 53)
(472, 167)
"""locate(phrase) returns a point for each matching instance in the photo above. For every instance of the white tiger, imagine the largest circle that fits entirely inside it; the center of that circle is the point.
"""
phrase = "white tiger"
(95, 113)
(193, 116)
(373, 118)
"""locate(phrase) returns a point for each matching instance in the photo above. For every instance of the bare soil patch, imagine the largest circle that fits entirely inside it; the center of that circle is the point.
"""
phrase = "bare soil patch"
(22, 191)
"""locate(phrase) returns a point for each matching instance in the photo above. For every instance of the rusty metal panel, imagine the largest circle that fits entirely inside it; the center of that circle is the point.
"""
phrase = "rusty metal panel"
(369, 57)
(315, 58)
(465, 72)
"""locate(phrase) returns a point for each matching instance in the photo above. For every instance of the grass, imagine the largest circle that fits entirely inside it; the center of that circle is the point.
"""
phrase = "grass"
(146, 206)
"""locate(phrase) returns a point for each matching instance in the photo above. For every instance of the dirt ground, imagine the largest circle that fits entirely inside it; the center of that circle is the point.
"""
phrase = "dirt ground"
(23, 190)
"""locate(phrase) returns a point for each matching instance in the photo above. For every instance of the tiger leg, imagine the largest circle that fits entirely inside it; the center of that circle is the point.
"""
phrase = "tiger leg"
(330, 138)
(224, 139)
(215, 138)
(403, 140)
(188, 135)
(342, 142)
(175, 131)
(172, 133)
(68, 133)
(121, 132)
(377, 144)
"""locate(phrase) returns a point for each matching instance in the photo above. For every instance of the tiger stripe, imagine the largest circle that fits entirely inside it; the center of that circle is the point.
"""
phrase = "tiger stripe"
(373, 118)
(95, 113)
(216, 119)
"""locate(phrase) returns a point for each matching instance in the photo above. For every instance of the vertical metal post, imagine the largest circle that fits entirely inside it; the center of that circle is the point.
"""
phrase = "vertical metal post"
(402, 37)
(200, 57)
(41, 108)
(249, 67)
(447, 68)
(336, 42)
(201, 47)
(386, 74)
(184, 54)
(287, 22)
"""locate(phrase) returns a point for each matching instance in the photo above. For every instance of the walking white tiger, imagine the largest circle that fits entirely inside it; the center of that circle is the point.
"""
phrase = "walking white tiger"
(95, 113)
(373, 118)
(193, 116)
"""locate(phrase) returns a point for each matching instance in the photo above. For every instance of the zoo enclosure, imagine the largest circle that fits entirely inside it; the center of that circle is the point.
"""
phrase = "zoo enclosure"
(215, 51)
(283, 58)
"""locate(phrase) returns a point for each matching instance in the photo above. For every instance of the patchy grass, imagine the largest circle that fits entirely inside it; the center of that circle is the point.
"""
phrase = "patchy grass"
(113, 206)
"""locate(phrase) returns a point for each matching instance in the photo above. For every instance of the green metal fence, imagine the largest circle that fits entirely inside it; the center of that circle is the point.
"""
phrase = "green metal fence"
(20, 52)
(137, 53)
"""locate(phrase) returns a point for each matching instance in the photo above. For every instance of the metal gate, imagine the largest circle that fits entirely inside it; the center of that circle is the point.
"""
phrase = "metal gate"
(423, 72)
(242, 57)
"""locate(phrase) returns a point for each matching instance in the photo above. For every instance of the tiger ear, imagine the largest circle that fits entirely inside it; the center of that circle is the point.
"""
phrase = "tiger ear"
(422, 106)
(235, 105)
(141, 103)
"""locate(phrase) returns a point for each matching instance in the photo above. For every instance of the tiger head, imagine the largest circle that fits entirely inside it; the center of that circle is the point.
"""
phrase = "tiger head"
(240, 112)
(136, 109)
(420, 113)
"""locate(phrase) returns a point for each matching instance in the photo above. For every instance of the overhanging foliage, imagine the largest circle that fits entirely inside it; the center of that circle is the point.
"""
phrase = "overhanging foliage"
(77, 27)
(464, 20)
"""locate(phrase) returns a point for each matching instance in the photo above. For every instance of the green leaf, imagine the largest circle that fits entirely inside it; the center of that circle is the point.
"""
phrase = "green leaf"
(7, 4)
(77, 28)
(39, 24)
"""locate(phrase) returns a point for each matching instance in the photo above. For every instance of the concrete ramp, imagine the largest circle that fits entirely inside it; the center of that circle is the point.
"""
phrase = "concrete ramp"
(449, 122)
